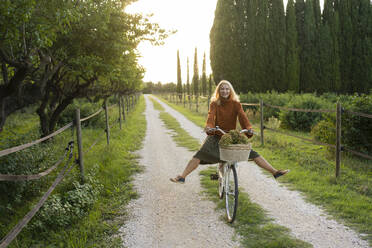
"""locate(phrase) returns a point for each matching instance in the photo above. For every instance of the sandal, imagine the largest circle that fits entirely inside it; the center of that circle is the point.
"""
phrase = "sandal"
(178, 179)
(280, 173)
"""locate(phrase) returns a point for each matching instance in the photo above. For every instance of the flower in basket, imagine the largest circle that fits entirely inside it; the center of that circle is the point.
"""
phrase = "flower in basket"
(233, 137)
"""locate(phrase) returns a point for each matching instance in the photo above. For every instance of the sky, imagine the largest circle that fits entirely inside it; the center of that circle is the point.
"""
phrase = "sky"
(193, 20)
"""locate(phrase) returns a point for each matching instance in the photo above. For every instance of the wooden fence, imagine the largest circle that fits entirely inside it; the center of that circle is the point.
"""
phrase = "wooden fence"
(338, 110)
(126, 104)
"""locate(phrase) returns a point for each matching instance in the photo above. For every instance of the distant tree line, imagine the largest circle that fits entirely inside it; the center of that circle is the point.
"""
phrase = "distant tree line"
(200, 85)
(258, 46)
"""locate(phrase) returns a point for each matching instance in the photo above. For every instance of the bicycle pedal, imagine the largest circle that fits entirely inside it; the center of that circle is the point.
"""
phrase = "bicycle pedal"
(214, 176)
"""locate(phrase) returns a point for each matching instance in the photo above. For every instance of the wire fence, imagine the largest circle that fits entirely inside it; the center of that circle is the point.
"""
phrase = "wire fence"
(125, 103)
(197, 101)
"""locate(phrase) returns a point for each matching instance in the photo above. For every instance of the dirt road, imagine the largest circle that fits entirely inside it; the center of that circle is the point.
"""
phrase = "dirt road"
(172, 215)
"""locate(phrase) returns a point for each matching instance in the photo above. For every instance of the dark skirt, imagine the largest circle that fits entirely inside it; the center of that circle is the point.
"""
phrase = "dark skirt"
(209, 153)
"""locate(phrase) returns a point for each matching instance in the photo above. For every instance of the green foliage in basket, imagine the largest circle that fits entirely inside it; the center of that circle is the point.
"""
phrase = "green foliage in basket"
(233, 137)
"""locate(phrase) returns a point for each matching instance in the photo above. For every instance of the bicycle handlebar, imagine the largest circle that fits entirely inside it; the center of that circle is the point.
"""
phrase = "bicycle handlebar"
(217, 128)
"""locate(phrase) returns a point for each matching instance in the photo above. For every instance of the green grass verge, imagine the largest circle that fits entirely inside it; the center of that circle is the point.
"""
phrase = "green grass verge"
(347, 198)
(156, 104)
(180, 136)
(112, 169)
(252, 224)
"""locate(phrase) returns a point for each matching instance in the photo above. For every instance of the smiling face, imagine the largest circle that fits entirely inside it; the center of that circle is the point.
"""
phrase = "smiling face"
(225, 91)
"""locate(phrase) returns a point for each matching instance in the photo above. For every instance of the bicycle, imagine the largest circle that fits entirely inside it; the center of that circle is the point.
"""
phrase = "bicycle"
(228, 181)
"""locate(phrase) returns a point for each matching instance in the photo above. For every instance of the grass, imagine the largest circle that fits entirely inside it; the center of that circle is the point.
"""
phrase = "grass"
(347, 198)
(252, 224)
(112, 168)
(180, 136)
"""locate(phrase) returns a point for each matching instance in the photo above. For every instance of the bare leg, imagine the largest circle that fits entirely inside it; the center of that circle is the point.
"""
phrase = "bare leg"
(260, 161)
(192, 165)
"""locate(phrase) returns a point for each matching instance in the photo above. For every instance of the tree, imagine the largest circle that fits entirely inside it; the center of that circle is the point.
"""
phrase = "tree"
(188, 79)
(195, 78)
(28, 29)
(69, 50)
(204, 78)
(292, 50)
(210, 85)
(277, 48)
(309, 80)
(179, 80)
(224, 48)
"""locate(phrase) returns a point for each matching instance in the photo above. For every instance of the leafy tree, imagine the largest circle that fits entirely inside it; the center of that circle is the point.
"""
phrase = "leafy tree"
(27, 29)
(70, 50)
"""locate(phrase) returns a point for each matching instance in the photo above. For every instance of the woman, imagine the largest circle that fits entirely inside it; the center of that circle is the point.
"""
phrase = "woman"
(224, 110)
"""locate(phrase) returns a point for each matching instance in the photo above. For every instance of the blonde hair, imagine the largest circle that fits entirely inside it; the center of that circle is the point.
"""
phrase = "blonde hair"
(216, 94)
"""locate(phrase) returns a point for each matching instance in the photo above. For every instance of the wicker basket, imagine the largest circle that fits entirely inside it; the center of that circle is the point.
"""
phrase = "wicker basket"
(235, 152)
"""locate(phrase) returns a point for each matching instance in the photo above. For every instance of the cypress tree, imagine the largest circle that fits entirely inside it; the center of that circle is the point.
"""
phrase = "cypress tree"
(179, 80)
(204, 77)
(330, 60)
(277, 50)
(345, 44)
(292, 50)
(308, 71)
(260, 55)
(300, 17)
(361, 60)
(195, 78)
(188, 79)
(210, 86)
(224, 44)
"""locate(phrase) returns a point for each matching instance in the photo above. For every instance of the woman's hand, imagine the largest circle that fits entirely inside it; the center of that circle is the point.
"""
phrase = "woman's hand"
(209, 130)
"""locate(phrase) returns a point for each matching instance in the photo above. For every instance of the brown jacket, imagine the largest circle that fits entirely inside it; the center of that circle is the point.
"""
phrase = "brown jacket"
(225, 115)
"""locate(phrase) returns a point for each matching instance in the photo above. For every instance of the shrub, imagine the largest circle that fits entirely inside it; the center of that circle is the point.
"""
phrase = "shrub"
(325, 131)
(273, 98)
(63, 209)
(273, 123)
(303, 121)
(86, 109)
(355, 130)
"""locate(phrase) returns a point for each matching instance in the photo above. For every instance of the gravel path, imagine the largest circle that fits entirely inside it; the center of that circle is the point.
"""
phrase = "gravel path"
(168, 214)
(288, 208)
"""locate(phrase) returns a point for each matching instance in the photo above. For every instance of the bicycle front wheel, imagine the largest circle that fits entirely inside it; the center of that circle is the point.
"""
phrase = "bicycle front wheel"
(231, 193)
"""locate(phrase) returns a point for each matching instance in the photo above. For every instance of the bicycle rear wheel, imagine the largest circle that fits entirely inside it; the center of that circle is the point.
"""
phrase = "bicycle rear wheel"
(231, 193)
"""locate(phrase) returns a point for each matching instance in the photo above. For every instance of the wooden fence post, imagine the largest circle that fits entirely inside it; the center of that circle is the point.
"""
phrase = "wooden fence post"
(197, 103)
(120, 112)
(127, 102)
(262, 122)
(123, 108)
(338, 138)
(107, 124)
(80, 144)
(184, 99)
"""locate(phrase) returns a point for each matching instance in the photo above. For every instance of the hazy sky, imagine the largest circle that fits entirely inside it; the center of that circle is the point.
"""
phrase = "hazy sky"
(193, 19)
